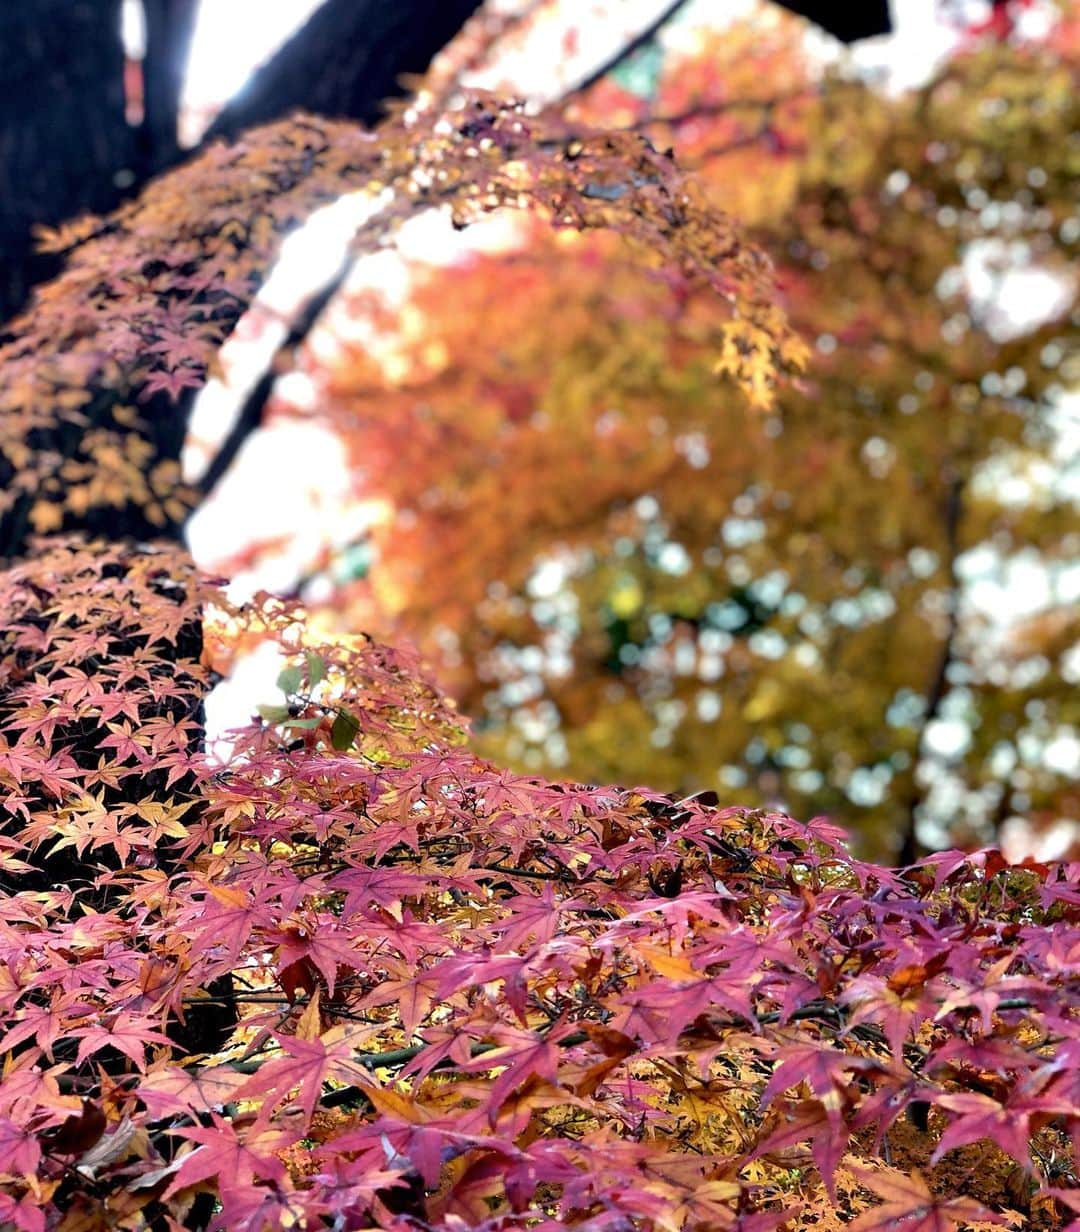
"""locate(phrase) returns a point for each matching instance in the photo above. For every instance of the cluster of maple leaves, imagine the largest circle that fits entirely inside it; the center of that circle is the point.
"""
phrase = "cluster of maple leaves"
(355, 975)
(149, 294)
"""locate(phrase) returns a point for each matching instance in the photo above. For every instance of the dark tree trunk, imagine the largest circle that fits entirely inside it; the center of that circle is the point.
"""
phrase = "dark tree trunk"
(847, 20)
(938, 688)
(63, 136)
(66, 148)
(169, 27)
(343, 61)
(346, 60)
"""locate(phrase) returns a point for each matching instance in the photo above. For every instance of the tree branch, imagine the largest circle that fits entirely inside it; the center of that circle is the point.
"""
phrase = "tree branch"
(723, 107)
(345, 61)
(625, 52)
(910, 849)
(251, 411)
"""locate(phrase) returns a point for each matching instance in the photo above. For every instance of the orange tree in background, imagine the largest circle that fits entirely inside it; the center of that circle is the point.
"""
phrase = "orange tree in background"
(625, 568)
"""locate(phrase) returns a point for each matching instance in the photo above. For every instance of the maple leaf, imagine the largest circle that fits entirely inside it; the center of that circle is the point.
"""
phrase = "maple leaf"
(129, 1034)
(521, 1056)
(1009, 1125)
(1062, 885)
(234, 1158)
(822, 1067)
(169, 1090)
(173, 382)
(45, 1023)
(127, 742)
(178, 347)
(29, 1090)
(251, 1208)
(533, 916)
(909, 1205)
(224, 921)
(69, 234)
(897, 1006)
(822, 1126)
(413, 992)
(307, 1067)
(385, 887)
(416, 1133)
(473, 970)
(24, 1214)
(440, 1046)
(328, 948)
(660, 1009)
(20, 1151)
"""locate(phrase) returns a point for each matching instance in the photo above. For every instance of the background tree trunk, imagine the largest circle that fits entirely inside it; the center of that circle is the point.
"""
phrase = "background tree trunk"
(63, 136)
(847, 20)
(170, 25)
(345, 61)
(66, 147)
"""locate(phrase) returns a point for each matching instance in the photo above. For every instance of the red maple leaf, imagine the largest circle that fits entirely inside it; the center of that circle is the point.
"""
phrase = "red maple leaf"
(327, 947)
(822, 1126)
(235, 1159)
(24, 1215)
(1009, 1125)
(823, 1068)
(172, 1090)
(413, 992)
(533, 916)
(305, 1069)
(521, 1055)
(910, 1206)
(128, 1034)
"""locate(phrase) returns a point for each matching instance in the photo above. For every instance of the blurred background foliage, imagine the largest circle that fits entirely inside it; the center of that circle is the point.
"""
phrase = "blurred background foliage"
(862, 602)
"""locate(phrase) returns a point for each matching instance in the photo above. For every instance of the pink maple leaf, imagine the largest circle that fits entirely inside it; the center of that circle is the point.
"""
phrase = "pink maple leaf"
(909, 1206)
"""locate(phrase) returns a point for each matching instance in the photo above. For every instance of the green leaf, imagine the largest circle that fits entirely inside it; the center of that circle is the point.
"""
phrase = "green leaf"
(289, 680)
(316, 668)
(273, 714)
(344, 730)
(307, 724)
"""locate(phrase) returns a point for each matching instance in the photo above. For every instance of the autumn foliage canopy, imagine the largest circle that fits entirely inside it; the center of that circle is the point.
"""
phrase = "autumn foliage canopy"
(356, 973)
(348, 972)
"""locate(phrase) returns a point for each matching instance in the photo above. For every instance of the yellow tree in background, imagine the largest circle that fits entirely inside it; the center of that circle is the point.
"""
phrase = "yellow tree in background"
(621, 564)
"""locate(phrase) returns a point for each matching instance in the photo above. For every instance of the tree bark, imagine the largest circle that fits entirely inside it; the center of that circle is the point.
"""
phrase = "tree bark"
(345, 61)
(910, 847)
(63, 136)
(170, 25)
(847, 20)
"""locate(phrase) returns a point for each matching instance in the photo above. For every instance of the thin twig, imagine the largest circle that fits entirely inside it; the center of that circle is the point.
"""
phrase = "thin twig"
(910, 848)
(627, 50)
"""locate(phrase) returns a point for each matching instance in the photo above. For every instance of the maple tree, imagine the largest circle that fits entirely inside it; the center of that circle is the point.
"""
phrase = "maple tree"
(83, 126)
(621, 567)
(458, 996)
(350, 972)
